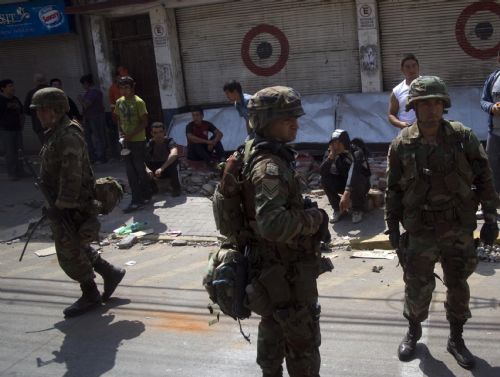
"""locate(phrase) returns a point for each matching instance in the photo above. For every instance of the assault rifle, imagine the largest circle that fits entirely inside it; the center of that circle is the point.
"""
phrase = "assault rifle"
(50, 211)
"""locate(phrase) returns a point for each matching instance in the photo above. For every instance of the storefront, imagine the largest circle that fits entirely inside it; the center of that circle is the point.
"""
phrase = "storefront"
(309, 45)
(456, 40)
(38, 37)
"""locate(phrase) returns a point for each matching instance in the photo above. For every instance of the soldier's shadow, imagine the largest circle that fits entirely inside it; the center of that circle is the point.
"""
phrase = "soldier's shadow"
(436, 368)
(429, 365)
(91, 343)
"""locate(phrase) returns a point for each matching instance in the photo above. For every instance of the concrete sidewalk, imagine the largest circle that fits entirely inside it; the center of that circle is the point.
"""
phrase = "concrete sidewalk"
(189, 214)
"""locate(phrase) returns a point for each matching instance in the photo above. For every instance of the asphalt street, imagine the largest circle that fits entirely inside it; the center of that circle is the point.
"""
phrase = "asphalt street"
(158, 323)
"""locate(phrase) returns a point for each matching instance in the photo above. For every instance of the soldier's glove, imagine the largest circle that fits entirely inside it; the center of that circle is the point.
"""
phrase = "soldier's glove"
(489, 233)
(393, 232)
(323, 232)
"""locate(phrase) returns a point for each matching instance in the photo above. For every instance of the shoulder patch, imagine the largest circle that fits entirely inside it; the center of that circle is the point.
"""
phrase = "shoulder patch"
(272, 169)
(270, 187)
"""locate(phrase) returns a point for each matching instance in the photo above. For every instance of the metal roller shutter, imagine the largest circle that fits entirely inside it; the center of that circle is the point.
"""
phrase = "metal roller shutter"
(428, 28)
(54, 56)
(322, 38)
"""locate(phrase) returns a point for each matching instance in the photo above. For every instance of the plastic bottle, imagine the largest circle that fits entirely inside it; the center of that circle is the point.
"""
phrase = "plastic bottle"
(130, 228)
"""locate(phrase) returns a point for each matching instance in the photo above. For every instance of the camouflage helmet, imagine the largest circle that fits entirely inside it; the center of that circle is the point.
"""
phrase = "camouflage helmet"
(427, 87)
(342, 136)
(52, 98)
(273, 103)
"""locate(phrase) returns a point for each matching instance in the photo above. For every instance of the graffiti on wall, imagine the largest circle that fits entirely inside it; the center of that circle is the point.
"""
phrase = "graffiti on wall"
(165, 77)
(368, 56)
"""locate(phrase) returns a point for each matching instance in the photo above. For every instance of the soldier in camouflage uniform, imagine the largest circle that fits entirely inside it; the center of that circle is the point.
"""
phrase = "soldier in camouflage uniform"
(437, 174)
(67, 176)
(284, 251)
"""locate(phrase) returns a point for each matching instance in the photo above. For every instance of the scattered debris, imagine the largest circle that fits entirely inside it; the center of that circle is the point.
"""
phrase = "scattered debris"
(46, 252)
(127, 242)
(130, 263)
(374, 254)
(179, 243)
(488, 253)
(104, 242)
(377, 269)
(130, 228)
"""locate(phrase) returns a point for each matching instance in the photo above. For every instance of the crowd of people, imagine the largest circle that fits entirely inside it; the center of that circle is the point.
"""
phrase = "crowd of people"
(438, 173)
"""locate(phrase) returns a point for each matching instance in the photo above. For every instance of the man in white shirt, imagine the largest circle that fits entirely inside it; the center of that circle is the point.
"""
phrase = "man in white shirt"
(397, 116)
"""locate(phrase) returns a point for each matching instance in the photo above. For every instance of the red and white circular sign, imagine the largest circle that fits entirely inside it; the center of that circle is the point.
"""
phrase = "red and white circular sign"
(264, 50)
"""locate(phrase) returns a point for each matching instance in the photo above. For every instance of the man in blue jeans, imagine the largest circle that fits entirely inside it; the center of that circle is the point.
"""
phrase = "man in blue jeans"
(11, 128)
(490, 103)
(132, 118)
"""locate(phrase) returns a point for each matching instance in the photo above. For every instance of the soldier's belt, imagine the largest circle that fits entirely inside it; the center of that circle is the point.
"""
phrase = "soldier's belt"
(430, 217)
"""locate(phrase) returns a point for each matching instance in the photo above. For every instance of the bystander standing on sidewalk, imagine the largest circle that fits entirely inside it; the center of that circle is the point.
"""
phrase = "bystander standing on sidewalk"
(490, 103)
(40, 82)
(94, 120)
(132, 117)
(73, 112)
(11, 128)
(398, 116)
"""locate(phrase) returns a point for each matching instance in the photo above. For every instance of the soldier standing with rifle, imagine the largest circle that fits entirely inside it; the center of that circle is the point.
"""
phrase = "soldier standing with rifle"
(284, 257)
(437, 174)
(67, 181)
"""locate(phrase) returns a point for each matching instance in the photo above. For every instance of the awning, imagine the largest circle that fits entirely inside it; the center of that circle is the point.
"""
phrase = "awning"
(104, 5)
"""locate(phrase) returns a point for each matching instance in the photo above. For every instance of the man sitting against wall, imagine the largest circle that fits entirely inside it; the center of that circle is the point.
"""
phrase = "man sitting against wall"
(200, 146)
(161, 159)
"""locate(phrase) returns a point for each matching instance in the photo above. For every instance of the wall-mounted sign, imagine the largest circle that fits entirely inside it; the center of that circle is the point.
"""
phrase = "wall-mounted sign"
(39, 17)
(366, 16)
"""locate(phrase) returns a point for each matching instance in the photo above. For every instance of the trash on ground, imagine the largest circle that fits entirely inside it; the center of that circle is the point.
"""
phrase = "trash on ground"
(173, 232)
(179, 243)
(130, 263)
(46, 252)
(488, 253)
(104, 243)
(130, 228)
(377, 269)
(374, 254)
(127, 242)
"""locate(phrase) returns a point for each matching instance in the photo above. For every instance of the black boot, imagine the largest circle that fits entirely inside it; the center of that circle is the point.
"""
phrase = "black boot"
(457, 348)
(111, 275)
(408, 345)
(91, 298)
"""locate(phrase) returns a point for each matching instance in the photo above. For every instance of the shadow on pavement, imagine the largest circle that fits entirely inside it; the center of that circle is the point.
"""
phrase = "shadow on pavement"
(431, 366)
(372, 224)
(91, 342)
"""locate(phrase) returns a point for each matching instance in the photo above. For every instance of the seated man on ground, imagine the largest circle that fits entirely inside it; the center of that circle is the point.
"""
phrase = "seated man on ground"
(161, 158)
(200, 146)
(345, 171)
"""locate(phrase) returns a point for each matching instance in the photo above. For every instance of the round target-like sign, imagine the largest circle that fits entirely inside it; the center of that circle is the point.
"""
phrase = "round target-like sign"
(265, 50)
(478, 29)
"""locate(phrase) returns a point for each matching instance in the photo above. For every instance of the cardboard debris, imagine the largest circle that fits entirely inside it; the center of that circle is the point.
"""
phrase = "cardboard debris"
(374, 254)
(46, 252)
(127, 242)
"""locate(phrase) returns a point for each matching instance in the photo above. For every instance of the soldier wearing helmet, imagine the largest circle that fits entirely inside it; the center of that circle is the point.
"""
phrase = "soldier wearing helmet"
(432, 167)
(284, 249)
(345, 171)
(68, 178)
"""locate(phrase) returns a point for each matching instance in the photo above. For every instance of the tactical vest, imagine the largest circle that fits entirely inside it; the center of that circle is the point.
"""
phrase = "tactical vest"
(437, 181)
(52, 160)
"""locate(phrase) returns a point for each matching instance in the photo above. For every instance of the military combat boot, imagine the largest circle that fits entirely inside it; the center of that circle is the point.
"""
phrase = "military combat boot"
(91, 298)
(456, 346)
(408, 345)
(111, 275)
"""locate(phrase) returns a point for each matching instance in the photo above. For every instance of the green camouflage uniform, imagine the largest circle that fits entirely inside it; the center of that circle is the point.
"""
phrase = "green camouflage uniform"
(67, 174)
(429, 192)
(284, 255)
